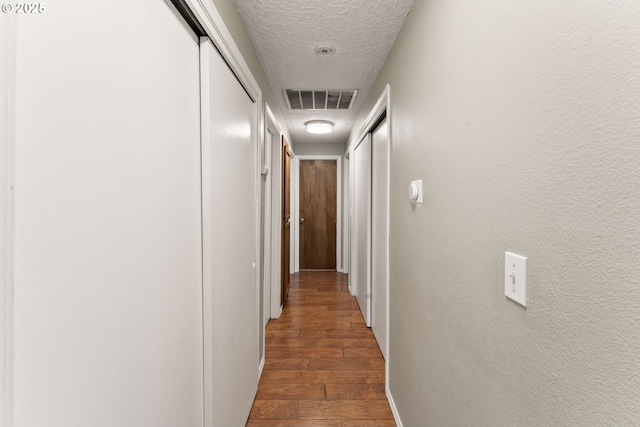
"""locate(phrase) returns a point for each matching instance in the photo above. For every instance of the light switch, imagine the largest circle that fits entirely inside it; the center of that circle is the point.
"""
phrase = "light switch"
(415, 192)
(515, 277)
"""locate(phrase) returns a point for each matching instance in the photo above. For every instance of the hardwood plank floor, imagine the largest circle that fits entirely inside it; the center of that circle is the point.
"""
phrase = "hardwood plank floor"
(323, 367)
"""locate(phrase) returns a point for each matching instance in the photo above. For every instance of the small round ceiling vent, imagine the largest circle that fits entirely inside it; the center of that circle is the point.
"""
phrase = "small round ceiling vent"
(325, 51)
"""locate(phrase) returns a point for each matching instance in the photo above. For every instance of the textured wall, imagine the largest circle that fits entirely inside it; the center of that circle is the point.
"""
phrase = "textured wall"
(323, 149)
(522, 118)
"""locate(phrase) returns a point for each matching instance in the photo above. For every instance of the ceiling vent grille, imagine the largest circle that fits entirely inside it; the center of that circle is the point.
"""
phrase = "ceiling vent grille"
(320, 99)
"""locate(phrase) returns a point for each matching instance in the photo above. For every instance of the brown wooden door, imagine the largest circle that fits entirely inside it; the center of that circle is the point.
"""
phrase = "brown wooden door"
(318, 214)
(286, 218)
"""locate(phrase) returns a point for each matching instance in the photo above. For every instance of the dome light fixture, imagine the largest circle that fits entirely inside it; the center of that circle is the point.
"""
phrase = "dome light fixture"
(319, 126)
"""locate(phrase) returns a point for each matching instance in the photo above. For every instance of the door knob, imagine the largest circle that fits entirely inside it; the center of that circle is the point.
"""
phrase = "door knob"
(301, 220)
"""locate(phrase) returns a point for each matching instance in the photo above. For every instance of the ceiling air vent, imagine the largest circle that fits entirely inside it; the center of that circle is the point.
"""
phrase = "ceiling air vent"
(320, 99)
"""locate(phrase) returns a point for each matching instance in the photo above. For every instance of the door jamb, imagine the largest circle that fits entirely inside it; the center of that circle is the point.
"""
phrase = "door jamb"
(270, 251)
(296, 231)
(276, 226)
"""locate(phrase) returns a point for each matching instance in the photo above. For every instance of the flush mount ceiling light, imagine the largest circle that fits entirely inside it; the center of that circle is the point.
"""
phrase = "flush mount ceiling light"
(319, 126)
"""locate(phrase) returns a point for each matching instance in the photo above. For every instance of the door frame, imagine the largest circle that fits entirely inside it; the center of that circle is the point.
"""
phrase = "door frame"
(296, 225)
(276, 225)
(338, 198)
(285, 213)
(271, 136)
(270, 249)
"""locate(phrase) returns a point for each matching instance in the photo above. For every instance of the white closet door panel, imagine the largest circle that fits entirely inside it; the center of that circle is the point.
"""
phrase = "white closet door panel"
(229, 220)
(380, 234)
(363, 226)
(108, 285)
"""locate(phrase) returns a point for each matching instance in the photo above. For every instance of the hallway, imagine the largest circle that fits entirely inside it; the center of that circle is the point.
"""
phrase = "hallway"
(323, 366)
(143, 213)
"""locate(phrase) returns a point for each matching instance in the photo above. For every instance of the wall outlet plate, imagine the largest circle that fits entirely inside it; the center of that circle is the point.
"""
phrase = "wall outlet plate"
(515, 277)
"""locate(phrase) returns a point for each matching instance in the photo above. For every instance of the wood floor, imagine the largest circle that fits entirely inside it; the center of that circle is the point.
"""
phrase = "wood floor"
(323, 366)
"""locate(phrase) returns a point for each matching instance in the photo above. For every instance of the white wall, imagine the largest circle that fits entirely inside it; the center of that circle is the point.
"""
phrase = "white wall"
(319, 149)
(522, 120)
(108, 327)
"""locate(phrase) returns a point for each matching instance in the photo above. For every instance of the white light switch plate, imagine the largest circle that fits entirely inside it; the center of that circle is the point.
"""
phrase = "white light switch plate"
(515, 277)
(415, 192)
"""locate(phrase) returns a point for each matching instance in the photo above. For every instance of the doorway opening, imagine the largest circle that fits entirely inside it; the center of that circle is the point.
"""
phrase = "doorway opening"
(286, 226)
(318, 231)
(318, 214)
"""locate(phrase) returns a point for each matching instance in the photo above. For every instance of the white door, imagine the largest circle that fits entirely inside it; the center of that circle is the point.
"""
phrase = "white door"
(108, 285)
(229, 243)
(380, 234)
(362, 223)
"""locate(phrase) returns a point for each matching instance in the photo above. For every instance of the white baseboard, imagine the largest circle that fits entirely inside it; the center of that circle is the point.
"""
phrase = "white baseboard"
(277, 314)
(394, 410)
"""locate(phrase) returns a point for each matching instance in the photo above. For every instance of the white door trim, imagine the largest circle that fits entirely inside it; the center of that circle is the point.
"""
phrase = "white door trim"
(272, 222)
(338, 208)
(276, 227)
(382, 104)
(208, 16)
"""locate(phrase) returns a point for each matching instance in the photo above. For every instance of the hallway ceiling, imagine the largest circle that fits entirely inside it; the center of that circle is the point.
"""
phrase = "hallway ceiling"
(286, 34)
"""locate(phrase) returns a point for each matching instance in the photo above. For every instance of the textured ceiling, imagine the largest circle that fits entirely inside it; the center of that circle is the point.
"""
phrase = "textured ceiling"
(285, 34)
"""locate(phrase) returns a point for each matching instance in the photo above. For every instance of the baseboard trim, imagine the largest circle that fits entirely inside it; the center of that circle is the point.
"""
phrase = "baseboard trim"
(394, 409)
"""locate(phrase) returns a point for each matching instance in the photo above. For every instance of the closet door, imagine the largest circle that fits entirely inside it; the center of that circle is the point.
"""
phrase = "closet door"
(108, 273)
(362, 223)
(380, 234)
(230, 217)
